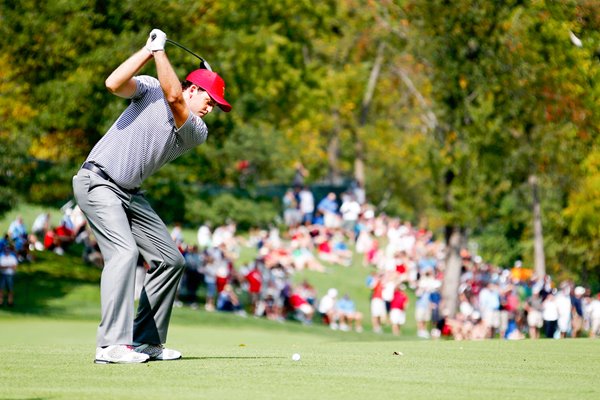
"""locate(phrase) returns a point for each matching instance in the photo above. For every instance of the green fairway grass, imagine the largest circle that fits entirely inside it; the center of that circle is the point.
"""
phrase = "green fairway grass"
(44, 358)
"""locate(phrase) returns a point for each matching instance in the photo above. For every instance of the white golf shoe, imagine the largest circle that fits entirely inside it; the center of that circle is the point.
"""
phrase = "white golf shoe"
(158, 352)
(119, 354)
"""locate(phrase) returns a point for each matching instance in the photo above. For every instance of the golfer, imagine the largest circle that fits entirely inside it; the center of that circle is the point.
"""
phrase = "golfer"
(162, 121)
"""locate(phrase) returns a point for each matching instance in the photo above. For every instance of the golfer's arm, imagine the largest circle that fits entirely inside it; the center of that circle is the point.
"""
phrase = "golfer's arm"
(171, 88)
(121, 82)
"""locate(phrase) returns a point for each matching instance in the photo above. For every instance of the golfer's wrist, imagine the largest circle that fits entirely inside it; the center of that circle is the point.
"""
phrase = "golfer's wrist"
(151, 52)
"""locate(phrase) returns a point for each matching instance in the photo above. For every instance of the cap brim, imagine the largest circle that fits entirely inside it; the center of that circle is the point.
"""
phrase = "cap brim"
(221, 102)
(225, 106)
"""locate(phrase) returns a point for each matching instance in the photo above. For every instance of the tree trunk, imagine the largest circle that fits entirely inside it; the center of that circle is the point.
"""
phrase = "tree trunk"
(454, 241)
(359, 162)
(539, 258)
(359, 148)
(333, 153)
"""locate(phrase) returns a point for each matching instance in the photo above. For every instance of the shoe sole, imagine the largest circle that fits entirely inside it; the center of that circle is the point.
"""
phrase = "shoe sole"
(163, 359)
(96, 361)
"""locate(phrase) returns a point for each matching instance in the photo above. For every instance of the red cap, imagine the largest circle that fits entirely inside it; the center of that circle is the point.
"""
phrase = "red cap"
(213, 84)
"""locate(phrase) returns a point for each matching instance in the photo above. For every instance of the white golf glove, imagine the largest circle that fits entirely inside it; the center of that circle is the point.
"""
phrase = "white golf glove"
(156, 41)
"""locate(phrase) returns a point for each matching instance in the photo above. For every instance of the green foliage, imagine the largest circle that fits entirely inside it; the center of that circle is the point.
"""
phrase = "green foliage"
(166, 194)
(582, 221)
(500, 241)
(8, 199)
(511, 92)
(255, 144)
(15, 172)
(222, 208)
(52, 185)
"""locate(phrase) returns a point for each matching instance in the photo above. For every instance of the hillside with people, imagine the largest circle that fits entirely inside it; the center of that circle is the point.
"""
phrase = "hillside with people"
(374, 273)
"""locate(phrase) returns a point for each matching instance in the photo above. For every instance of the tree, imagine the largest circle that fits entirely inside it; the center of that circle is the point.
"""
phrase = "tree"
(462, 43)
(15, 111)
(510, 95)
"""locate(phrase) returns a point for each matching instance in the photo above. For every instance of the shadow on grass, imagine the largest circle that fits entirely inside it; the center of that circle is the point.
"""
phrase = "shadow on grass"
(227, 358)
(24, 398)
(42, 286)
(34, 293)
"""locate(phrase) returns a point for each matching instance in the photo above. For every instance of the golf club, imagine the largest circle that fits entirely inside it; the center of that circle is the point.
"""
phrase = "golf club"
(203, 63)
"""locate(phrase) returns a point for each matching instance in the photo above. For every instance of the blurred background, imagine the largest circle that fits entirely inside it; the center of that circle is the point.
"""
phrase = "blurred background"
(476, 120)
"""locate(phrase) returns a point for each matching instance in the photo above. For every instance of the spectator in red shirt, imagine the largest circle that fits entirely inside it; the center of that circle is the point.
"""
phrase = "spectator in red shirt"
(378, 309)
(397, 309)
(254, 279)
(304, 311)
(58, 239)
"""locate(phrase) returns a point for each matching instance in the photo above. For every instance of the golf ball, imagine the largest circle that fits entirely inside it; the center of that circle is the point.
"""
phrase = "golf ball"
(296, 357)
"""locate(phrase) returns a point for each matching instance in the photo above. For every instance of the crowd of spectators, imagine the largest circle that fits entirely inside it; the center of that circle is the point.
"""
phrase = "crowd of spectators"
(19, 244)
(401, 264)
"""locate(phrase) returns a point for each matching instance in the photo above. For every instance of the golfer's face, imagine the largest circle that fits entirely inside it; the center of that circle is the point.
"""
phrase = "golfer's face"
(201, 103)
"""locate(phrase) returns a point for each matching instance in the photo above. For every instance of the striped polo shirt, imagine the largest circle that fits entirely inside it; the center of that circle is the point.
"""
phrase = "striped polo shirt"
(144, 137)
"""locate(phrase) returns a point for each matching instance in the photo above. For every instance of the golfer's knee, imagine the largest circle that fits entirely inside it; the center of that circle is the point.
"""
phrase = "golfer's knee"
(126, 256)
(177, 261)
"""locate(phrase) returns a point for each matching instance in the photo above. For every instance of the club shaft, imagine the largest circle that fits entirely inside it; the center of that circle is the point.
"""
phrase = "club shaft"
(186, 49)
(204, 64)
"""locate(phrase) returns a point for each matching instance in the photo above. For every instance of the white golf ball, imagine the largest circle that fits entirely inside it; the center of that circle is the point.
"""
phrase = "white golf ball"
(296, 357)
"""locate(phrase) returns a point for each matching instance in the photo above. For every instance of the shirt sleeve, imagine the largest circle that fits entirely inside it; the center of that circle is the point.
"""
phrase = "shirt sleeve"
(144, 83)
(193, 131)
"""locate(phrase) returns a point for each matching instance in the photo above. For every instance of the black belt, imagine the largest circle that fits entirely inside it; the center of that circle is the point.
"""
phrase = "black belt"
(90, 166)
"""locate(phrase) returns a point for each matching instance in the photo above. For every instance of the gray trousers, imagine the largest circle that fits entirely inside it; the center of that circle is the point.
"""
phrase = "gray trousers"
(126, 226)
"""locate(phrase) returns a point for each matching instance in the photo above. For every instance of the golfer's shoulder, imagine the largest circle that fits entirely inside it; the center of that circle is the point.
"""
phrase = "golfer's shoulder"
(147, 80)
(194, 129)
(145, 84)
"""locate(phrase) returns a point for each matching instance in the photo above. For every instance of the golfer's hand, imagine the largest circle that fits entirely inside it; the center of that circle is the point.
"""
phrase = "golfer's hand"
(156, 41)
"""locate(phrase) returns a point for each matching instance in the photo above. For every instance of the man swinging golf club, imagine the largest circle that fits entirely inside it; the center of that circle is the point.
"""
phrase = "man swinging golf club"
(162, 121)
